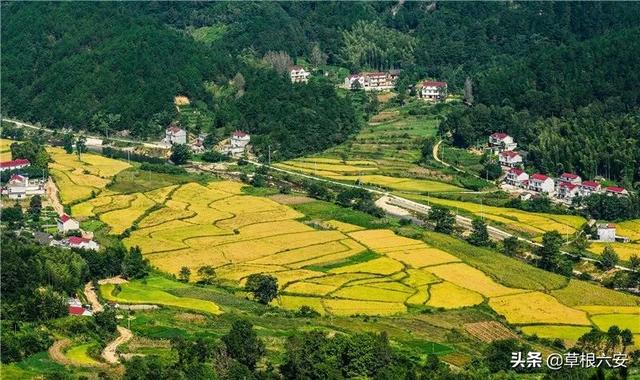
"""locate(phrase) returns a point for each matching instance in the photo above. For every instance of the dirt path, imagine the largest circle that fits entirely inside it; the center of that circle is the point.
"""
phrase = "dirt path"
(52, 196)
(55, 351)
(109, 353)
(92, 298)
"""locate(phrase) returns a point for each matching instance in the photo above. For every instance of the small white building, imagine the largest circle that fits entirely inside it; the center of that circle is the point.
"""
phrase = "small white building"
(82, 243)
(607, 232)
(175, 135)
(434, 91)
(501, 141)
(67, 223)
(14, 164)
(541, 183)
(237, 143)
(20, 187)
(616, 191)
(517, 177)
(298, 74)
(568, 190)
(570, 178)
(588, 188)
(510, 158)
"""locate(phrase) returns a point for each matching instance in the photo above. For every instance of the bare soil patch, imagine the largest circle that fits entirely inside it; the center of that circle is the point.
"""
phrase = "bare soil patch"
(489, 331)
(286, 199)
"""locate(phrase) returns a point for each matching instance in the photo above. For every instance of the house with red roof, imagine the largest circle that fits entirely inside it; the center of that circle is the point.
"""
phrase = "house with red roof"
(14, 164)
(175, 135)
(510, 158)
(500, 141)
(588, 188)
(237, 143)
(517, 177)
(434, 91)
(20, 187)
(82, 243)
(541, 183)
(570, 178)
(298, 74)
(67, 223)
(568, 190)
(616, 191)
(76, 308)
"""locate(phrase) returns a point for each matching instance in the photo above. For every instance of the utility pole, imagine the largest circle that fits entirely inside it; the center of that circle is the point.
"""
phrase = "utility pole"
(269, 155)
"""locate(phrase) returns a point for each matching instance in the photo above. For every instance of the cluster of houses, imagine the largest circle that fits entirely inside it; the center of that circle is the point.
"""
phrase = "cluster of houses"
(20, 187)
(67, 224)
(237, 142)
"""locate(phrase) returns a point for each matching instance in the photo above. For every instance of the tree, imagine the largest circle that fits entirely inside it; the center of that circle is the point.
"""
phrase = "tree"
(626, 337)
(427, 148)
(442, 219)
(497, 356)
(634, 262)
(243, 343)
(263, 286)
(35, 206)
(106, 321)
(511, 246)
(180, 154)
(317, 56)
(134, 264)
(12, 215)
(45, 304)
(32, 150)
(551, 258)
(81, 146)
(207, 274)
(280, 61)
(491, 170)
(609, 258)
(480, 235)
(184, 274)
(67, 142)
(468, 91)
(581, 244)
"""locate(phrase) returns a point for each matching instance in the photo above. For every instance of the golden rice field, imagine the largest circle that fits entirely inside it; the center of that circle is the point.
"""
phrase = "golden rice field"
(624, 250)
(568, 333)
(527, 222)
(630, 229)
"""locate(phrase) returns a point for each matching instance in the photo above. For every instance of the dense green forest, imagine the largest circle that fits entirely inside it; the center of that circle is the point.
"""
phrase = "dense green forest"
(550, 73)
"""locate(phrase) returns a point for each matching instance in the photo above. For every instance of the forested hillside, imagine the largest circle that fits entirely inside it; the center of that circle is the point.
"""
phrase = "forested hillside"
(534, 66)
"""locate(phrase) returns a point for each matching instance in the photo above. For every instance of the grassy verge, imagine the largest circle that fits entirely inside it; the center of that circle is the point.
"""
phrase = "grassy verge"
(359, 258)
(327, 211)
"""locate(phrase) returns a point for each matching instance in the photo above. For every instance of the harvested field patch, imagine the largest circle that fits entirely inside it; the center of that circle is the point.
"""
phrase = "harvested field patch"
(536, 307)
(489, 331)
(287, 199)
(451, 296)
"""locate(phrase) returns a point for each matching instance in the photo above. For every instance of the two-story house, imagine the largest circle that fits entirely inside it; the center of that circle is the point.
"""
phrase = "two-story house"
(541, 183)
(616, 191)
(298, 74)
(570, 178)
(67, 223)
(517, 177)
(568, 190)
(510, 158)
(500, 141)
(20, 187)
(433, 91)
(175, 135)
(588, 188)
(377, 81)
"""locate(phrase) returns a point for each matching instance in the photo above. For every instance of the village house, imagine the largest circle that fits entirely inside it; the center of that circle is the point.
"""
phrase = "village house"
(433, 91)
(568, 190)
(66, 224)
(616, 191)
(14, 164)
(570, 178)
(499, 142)
(20, 187)
(606, 232)
(175, 135)
(510, 158)
(541, 183)
(43, 238)
(82, 243)
(298, 74)
(76, 308)
(377, 81)
(198, 145)
(588, 188)
(517, 177)
(238, 143)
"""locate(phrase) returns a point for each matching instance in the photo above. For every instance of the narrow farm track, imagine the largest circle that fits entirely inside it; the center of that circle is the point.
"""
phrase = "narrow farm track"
(52, 195)
(92, 298)
(55, 351)
(109, 353)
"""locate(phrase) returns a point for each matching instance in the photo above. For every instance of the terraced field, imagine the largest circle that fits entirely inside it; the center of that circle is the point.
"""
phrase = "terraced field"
(630, 229)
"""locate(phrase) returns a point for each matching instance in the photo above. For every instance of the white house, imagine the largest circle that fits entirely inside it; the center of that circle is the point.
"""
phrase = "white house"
(14, 164)
(570, 178)
(298, 74)
(20, 187)
(616, 191)
(517, 177)
(568, 190)
(433, 91)
(82, 243)
(588, 188)
(238, 142)
(606, 232)
(501, 141)
(198, 146)
(175, 135)
(370, 81)
(510, 158)
(67, 223)
(76, 308)
(541, 183)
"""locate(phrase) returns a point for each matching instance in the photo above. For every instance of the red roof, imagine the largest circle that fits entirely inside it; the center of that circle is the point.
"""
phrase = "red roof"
(64, 218)
(16, 177)
(18, 162)
(430, 83)
(499, 135)
(376, 74)
(173, 129)
(539, 177)
(615, 189)
(590, 184)
(76, 310)
(75, 240)
(509, 153)
(569, 176)
(239, 134)
(568, 185)
(516, 171)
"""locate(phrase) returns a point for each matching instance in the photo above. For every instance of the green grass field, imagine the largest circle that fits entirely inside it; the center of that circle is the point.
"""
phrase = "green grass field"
(155, 290)
(78, 354)
(329, 211)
